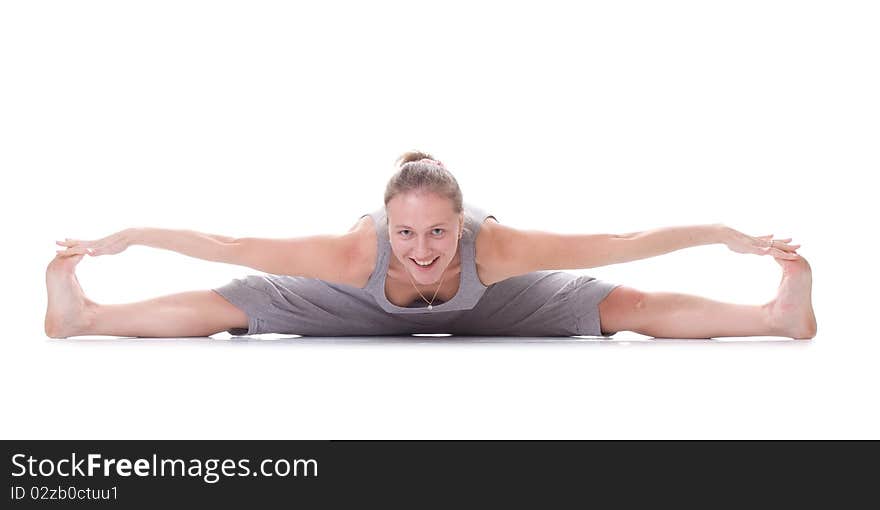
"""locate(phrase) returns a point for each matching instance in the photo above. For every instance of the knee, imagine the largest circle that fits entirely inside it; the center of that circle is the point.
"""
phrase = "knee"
(622, 309)
(625, 300)
(637, 299)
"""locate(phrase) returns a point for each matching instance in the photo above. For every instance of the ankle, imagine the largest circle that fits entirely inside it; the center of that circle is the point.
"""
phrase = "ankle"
(89, 318)
(772, 320)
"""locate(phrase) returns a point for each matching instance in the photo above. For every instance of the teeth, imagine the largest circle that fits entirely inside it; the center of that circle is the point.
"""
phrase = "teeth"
(423, 263)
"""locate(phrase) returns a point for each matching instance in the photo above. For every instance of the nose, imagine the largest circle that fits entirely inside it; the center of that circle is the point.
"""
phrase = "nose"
(423, 248)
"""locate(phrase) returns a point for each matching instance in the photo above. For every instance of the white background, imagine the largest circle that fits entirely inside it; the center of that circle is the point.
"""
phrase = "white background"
(278, 119)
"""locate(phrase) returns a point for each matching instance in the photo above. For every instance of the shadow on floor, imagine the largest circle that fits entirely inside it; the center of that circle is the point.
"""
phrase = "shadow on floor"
(275, 339)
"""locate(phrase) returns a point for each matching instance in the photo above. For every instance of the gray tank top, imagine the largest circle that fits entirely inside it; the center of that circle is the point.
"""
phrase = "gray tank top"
(470, 289)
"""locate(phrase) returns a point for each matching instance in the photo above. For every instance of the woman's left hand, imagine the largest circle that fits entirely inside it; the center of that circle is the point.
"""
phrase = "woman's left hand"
(760, 245)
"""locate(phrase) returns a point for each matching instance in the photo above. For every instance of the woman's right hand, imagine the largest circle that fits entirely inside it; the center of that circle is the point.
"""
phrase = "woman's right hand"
(110, 245)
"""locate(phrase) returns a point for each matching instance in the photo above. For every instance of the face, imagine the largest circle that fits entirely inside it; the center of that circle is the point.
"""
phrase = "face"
(423, 227)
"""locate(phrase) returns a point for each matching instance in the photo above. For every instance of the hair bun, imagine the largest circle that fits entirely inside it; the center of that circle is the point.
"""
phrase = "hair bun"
(432, 161)
(408, 157)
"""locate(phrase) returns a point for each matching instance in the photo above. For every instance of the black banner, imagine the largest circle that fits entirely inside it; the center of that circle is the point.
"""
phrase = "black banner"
(145, 473)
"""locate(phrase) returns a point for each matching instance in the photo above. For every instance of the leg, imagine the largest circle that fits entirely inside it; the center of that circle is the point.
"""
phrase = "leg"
(71, 313)
(669, 315)
(194, 313)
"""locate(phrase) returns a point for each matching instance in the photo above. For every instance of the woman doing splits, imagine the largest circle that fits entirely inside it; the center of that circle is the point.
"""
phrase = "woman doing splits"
(428, 262)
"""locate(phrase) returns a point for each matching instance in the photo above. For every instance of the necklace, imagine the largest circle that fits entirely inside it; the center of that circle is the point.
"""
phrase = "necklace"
(431, 302)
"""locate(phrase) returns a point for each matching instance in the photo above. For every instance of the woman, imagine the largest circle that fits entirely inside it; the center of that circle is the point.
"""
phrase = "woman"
(429, 263)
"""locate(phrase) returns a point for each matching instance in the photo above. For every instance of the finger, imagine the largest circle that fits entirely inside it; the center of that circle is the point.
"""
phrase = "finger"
(71, 251)
(72, 245)
(785, 255)
(76, 250)
(73, 256)
(783, 246)
(72, 242)
(777, 243)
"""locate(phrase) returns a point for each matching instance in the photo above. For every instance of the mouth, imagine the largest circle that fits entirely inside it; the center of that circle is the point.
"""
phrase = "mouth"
(425, 268)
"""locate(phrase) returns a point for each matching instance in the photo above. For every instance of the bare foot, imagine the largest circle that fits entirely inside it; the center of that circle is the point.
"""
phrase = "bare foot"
(791, 313)
(69, 311)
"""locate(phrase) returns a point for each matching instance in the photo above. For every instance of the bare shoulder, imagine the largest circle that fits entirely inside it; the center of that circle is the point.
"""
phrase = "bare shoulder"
(484, 243)
(489, 254)
(365, 250)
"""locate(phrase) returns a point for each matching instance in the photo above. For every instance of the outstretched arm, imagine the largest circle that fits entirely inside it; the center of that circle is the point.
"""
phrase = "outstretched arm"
(651, 243)
(215, 248)
(520, 252)
(188, 242)
(329, 257)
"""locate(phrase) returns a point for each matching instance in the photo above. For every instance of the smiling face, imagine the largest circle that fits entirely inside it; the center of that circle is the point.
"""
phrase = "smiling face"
(423, 227)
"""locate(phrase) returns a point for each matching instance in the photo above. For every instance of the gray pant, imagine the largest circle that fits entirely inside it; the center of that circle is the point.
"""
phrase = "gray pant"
(543, 303)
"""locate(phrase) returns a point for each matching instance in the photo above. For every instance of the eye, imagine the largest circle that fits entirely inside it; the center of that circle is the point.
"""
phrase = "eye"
(438, 231)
